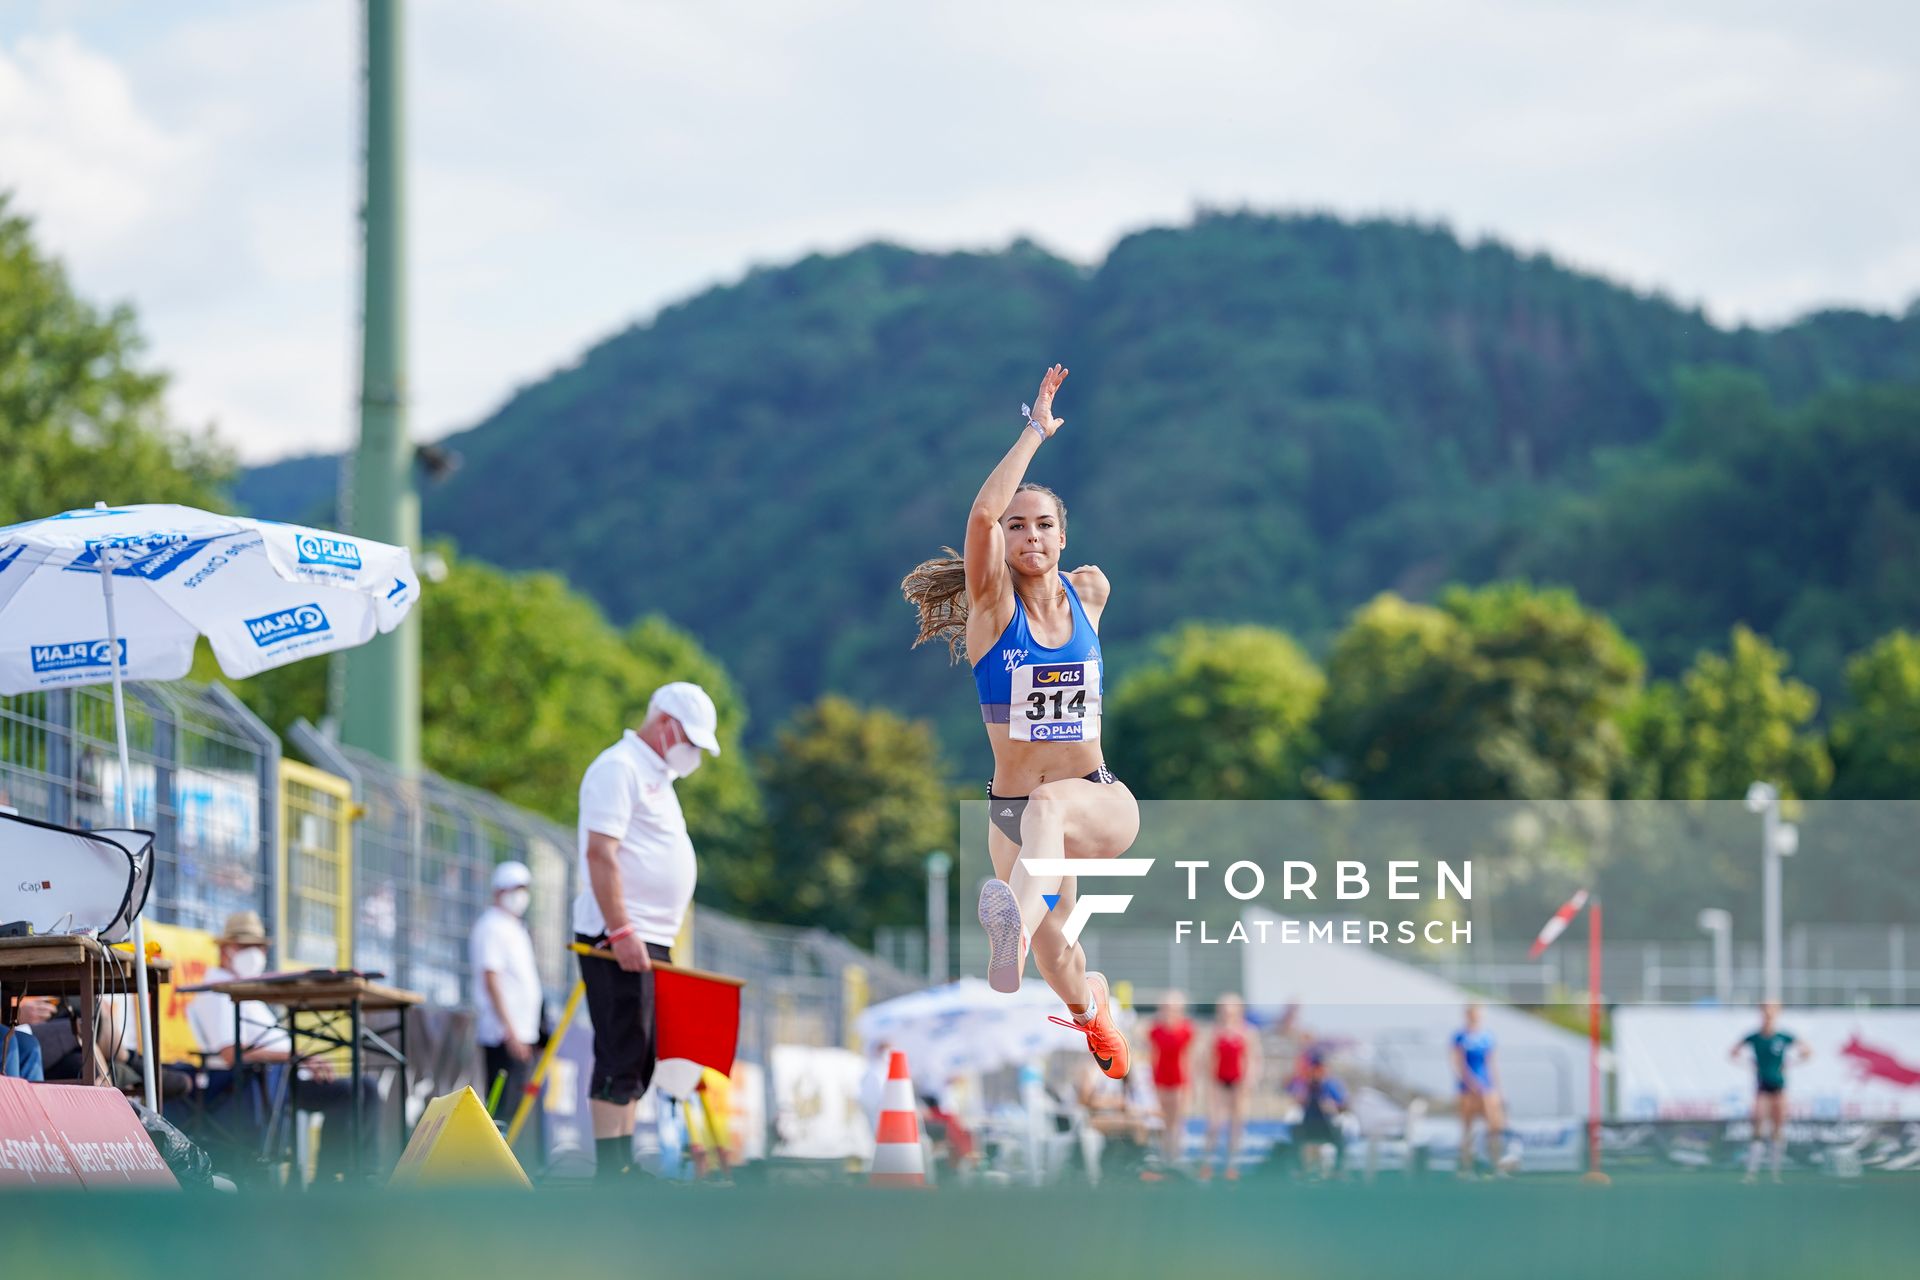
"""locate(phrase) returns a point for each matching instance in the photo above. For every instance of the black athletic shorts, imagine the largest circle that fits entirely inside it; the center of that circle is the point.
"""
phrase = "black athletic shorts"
(621, 1006)
(1315, 1127)
(1006, 810)
(1769, 1087)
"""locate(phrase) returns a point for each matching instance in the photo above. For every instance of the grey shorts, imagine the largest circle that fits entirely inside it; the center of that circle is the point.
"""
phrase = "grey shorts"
(1006, 811)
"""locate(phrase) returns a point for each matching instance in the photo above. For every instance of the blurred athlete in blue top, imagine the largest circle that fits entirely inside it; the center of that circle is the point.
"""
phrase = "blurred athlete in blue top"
(1322, 1099)
(1030, 631)
(1479, 1085)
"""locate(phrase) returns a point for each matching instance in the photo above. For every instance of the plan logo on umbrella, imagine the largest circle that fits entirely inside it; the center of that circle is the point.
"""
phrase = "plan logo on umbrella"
(287, 624)
(337, 553)
(76, 654)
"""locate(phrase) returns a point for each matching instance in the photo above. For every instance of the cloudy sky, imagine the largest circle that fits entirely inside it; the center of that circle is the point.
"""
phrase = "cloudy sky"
(577, 163)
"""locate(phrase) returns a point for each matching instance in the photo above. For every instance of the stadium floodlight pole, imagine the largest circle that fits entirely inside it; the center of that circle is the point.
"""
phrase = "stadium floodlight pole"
(380, 695)
(1718, 922)
(938, 865)
(1777, 840)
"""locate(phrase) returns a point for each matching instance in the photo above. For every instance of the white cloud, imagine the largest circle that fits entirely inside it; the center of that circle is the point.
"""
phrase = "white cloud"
(577, 163)
(81, 155)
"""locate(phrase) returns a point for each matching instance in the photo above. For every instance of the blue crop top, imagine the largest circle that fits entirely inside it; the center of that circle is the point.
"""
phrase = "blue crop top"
(1042, 694)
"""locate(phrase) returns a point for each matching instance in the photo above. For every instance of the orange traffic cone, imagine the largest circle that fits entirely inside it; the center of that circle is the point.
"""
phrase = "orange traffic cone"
(897, 1160)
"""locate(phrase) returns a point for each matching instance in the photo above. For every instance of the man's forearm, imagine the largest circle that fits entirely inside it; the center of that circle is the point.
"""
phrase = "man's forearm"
(603, 875)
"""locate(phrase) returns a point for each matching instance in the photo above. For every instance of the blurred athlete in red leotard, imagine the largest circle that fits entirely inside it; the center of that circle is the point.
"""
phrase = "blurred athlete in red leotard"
(1171, 1034)
(1236, 1066)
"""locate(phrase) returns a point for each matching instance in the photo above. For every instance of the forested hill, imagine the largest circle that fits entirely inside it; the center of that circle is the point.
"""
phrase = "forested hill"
(1268, 419)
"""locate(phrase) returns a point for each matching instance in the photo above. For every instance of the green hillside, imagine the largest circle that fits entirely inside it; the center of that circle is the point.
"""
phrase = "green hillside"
(1270, 419)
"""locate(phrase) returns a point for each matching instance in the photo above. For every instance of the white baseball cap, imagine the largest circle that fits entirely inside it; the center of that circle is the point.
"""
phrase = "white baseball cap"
(511, 875)
(689, 704)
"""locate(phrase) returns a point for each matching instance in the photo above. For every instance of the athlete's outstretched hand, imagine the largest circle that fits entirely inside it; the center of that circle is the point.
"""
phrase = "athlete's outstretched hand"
(1043, 400)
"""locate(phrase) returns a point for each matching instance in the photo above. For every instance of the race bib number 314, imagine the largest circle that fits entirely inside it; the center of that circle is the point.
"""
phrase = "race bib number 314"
(1055, 702)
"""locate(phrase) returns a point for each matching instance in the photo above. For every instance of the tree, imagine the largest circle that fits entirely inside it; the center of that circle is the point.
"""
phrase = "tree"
(1221, 713)
(524, 682)
(1271, 419)
(1504, 692)
(1733, 718)
(80, 420)
(1382, 669)
(854, 802)
(1876, 742)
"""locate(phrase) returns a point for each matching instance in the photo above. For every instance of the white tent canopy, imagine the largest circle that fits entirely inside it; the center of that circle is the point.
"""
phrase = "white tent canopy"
(1398, 1020)
(967, 1026)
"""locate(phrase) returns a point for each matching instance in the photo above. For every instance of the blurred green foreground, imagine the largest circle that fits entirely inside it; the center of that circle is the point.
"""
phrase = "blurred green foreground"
(1652, 1226)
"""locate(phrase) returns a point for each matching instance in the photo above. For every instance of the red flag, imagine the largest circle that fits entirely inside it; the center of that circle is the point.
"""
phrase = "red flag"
(696, 1016)
(1558, 925)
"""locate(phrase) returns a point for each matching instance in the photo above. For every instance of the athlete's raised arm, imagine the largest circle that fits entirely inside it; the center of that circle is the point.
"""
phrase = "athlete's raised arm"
(986, 549)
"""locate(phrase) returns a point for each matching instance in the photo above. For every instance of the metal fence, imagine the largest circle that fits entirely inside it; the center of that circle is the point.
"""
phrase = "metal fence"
(804, 986)
(424, 849)
(349, 861)
(204, 779)
(1825, 964)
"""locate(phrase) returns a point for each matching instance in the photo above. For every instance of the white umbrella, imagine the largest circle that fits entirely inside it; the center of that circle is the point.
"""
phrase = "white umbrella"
(141, 584)
(967, 1026)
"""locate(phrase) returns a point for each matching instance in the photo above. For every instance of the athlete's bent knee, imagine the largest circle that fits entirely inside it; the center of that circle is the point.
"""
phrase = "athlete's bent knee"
(1045, 805)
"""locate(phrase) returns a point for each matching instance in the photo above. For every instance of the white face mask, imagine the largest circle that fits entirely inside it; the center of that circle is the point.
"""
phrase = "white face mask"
(249, 962)
(683, 758)
(516, 901)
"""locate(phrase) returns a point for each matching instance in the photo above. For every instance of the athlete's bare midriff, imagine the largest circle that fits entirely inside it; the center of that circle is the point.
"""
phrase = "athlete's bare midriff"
(1019, 768)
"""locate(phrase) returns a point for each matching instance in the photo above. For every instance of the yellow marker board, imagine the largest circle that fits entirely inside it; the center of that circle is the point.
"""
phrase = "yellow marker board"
(456, 1144)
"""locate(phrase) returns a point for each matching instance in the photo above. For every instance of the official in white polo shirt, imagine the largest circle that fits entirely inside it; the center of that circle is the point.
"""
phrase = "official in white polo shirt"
(506, 984)
(637, 873)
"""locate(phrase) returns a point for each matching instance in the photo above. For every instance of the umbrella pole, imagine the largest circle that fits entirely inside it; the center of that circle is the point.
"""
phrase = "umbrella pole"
(126, 816)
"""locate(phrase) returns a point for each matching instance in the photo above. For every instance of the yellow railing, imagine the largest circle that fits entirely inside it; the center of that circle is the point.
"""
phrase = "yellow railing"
(315, 868)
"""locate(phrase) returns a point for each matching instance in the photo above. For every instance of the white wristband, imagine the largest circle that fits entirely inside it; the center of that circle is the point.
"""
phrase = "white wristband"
(1033, 426)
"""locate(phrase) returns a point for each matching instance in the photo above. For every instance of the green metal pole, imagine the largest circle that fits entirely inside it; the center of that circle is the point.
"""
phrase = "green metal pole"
(380, 709)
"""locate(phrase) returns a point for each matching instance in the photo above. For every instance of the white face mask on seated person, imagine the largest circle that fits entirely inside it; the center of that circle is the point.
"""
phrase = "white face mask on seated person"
(249, 962)
(516, 901)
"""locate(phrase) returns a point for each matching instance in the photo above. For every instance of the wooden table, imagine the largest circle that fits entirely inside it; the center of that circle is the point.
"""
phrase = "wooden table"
(329, 997)
(76, 966)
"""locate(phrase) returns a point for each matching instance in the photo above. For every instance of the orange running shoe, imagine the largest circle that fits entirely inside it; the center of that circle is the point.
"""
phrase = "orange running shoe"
(1104, 1041)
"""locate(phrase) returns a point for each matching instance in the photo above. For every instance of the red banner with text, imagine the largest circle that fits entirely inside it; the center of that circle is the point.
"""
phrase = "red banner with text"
(69, 1135)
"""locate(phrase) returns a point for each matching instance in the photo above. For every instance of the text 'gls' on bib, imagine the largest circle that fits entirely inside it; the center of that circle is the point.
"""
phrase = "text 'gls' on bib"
(1055, 702)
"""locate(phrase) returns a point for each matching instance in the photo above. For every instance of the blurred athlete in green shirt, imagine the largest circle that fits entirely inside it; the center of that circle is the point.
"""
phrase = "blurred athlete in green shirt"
(1769, 1046)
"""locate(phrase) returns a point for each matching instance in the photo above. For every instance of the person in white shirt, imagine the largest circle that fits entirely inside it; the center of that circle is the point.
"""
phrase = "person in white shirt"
(506, 984)
(637, 873)
(265, 1043)
(243, 954)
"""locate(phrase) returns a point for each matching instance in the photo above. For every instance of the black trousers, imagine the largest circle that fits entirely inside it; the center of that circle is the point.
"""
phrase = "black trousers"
(621, 1006)
(518, 1073)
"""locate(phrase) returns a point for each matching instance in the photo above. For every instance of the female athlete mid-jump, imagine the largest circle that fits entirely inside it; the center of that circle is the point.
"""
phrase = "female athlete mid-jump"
(1029, 630)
